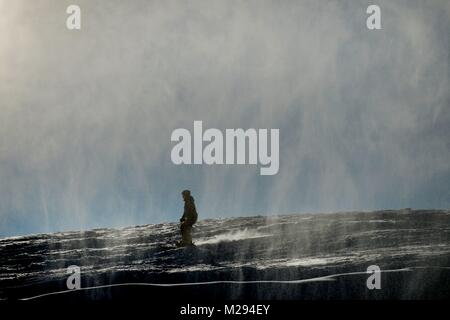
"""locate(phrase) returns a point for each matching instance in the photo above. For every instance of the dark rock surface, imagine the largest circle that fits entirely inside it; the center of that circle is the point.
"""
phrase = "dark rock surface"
(317, 256)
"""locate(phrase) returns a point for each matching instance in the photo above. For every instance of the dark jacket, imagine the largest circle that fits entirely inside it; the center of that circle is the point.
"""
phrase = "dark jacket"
(190, 213)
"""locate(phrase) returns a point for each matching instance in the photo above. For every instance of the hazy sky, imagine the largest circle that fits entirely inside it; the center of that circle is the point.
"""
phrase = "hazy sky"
(86, 116)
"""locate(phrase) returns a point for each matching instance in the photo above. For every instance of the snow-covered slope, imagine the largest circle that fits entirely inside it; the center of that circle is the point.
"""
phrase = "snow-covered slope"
(318, 256)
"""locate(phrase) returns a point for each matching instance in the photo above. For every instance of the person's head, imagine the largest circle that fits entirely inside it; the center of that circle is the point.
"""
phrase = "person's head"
(186, 194)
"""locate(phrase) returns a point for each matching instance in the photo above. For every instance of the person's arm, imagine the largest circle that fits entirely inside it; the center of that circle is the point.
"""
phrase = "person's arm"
(183, 217)
(189, 211)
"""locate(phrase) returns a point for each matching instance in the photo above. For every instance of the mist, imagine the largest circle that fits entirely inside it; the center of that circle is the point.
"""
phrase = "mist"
(86, 116)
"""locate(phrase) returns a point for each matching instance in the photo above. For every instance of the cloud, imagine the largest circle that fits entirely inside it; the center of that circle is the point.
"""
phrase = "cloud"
(86, 116)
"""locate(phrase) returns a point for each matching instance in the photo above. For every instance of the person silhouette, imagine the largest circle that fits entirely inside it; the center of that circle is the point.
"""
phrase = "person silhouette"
(188, 219)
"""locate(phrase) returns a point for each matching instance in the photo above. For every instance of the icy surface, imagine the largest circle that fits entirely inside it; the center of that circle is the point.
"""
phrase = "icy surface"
(282, 248)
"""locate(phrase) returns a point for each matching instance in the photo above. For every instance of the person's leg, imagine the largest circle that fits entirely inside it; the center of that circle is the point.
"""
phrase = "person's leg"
(186, 234)
(189, 234)
(182, 228)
